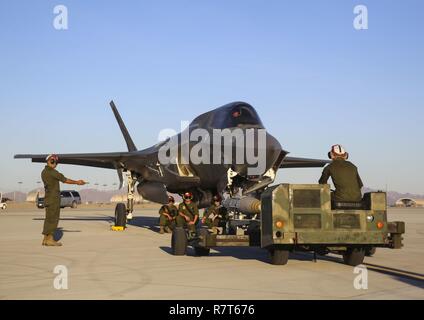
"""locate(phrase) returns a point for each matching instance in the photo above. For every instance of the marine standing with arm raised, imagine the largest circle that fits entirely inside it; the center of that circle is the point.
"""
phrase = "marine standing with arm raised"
(51, 178)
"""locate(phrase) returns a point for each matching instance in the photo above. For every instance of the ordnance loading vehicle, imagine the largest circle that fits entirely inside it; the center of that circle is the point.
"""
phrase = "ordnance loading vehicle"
(302, 217)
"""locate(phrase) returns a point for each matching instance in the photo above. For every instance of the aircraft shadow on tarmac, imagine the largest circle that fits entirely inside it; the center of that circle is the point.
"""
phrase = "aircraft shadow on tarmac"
(412, 278)
(151, 223)
(408, 277)
(105, 218)
(246, 253)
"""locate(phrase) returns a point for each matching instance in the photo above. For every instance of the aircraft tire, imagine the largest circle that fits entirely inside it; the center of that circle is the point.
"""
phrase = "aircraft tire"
(354, 256)
(179, 241)
(120, 215)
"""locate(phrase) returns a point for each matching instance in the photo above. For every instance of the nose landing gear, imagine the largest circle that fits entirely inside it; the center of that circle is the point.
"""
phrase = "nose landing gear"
(130, 194)
(124, 213)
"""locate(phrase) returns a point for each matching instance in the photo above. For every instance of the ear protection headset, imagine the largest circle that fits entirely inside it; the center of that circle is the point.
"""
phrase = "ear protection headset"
(52, 158)
(347, 155)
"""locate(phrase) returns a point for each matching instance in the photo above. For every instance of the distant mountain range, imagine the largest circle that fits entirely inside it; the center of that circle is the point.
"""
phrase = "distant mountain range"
(19, 196)
(101, 196)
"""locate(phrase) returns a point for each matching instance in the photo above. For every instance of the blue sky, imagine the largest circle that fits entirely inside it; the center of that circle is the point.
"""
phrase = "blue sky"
(313, 78)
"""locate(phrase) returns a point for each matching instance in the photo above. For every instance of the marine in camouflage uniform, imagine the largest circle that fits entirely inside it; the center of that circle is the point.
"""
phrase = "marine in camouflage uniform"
(51, 178)
(188, 213)
(215, 216)
(168, 214)
(345, 176)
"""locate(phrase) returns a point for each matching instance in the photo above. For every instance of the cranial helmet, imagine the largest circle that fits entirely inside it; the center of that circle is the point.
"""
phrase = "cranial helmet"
(52, 158)
(337, 151)
(217, 198)
(188, 196)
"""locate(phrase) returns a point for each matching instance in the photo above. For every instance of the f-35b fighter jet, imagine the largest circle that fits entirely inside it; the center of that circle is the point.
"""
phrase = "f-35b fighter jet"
(211, 156)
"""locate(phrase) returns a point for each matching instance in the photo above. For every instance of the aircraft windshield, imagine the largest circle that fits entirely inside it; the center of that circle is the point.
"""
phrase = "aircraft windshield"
(237, 115)
(229, 116)
(244, 115)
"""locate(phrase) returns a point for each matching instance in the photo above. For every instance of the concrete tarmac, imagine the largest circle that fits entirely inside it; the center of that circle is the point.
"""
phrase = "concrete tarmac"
(137, 263)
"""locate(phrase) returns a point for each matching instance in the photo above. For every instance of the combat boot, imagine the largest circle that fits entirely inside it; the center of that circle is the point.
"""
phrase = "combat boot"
(161, 231)
(50, 242)
(168, 230)
(44, 240)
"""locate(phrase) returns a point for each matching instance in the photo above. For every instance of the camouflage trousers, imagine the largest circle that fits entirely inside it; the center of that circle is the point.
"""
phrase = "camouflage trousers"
(52, 218)
(181, 222)
(165, 222)
(214, 223)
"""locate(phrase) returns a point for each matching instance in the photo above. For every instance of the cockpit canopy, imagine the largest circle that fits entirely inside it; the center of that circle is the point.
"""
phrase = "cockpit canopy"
(232, 115)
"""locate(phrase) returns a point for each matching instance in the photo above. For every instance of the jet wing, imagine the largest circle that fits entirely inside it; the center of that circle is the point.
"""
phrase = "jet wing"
(110, 160)
(291, 162)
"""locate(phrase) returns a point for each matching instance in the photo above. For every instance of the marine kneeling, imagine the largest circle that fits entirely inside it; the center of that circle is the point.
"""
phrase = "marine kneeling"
(168, 213)
(215, 216)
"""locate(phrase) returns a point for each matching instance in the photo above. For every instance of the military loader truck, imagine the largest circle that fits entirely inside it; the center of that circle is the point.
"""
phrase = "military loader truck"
(301, 217)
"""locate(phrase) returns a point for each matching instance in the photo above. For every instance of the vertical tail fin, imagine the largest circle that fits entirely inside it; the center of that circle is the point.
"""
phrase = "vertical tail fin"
(130, 143)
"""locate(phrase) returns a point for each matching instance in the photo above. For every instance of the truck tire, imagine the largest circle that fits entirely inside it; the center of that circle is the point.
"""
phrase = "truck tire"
(74, 205)
(279, 257)
(201, 251)
(369, 252)
(120, 215)
(179, 241)
(354, 256)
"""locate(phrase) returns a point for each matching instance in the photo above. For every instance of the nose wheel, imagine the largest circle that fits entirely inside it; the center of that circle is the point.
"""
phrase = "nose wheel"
(120, 215)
